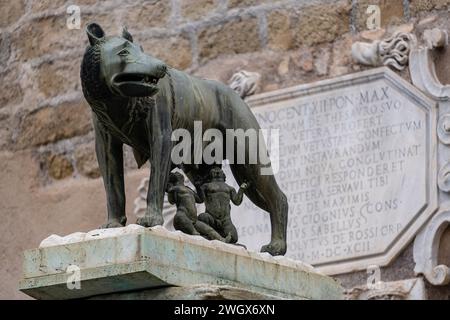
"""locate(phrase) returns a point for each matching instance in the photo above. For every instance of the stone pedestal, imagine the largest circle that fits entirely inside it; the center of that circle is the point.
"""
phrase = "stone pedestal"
(139, 263)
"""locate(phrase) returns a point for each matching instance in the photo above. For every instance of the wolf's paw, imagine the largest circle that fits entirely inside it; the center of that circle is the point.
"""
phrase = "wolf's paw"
(150, 221)
(113, 223)
(275, 248)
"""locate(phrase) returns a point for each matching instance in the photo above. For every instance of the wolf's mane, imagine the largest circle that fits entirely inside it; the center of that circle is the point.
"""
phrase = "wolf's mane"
(97, 92)
(93, 87)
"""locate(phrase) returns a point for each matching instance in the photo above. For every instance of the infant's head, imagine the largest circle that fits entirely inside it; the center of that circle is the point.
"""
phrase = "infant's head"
(176, 178)
(216, 173)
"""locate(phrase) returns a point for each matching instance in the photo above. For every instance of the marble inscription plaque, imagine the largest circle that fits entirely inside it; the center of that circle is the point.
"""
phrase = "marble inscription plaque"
(357, 161)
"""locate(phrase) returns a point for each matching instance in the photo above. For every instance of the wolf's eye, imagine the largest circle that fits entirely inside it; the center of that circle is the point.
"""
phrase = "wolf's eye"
(123, 52)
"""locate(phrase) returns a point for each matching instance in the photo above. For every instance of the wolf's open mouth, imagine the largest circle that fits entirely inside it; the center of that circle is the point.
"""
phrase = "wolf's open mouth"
(135, 77)
(131, 84)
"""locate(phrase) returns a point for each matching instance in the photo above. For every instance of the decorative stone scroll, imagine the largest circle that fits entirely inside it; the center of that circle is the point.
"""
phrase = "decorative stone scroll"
(393, 51)
(426, 249)
(245, 83)
(423, 74)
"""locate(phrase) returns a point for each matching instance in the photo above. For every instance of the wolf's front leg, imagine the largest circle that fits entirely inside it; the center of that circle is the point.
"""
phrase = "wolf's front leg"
(160, 165)
(110, 160)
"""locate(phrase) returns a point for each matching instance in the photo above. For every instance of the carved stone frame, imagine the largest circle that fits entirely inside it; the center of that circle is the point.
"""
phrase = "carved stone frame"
(426, 245)
(423, 101)
(423, 74)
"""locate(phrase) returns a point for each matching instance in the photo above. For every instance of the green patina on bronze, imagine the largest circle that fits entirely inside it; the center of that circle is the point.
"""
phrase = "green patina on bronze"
(138, 100)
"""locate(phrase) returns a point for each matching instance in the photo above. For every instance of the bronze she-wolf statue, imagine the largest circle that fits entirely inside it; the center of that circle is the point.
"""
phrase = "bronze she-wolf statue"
(138, 100)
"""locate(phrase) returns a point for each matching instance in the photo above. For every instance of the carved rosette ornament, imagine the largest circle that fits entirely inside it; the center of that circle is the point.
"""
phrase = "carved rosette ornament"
(392, 52)
(443, 129)
(444, 178)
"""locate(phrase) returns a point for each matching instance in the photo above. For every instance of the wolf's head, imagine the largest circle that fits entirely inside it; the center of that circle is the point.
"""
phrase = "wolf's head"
(117, 66)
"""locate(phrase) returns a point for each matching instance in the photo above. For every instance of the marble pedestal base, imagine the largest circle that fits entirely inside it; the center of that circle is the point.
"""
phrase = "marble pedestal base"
(137, 261)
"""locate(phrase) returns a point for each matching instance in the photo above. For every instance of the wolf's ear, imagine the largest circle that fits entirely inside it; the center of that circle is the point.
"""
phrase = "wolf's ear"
(95, 33)
(126, 34)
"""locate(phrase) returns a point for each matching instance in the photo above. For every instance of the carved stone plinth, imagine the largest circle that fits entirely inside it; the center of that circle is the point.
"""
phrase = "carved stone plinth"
(410, 289)
(138, 261)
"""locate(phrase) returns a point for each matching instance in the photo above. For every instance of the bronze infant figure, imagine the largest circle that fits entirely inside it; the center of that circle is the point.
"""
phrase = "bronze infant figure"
(185, 218)
(217, 196)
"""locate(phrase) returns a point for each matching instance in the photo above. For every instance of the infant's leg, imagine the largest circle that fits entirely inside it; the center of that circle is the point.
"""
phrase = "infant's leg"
(208, 219)
(230, 230)
(208, 232)
(183, 223)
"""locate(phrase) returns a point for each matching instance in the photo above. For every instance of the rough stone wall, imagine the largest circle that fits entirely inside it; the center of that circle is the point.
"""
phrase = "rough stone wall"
(45, 124)
(41, 105)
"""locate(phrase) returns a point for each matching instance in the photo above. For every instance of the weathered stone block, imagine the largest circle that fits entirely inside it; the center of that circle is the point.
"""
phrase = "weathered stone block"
(279, 30)
(267, 63)
(303, 59)
(196, 9)
(43, 5)
(321, 23)
(5, 50)
(135, 258)
(5, 131)
(149, 14)
(51, 124)
(59, 77)
(308, 26)
(247, 3)
(322, 58)
(111, 21)
(59, 166)
(175, 51)
(342, 59)
(50, 35)
(417, 6)
(86, 161)
(237, 36)
(11, 11)
(392, 12)
(44, 36)
(10, 90)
